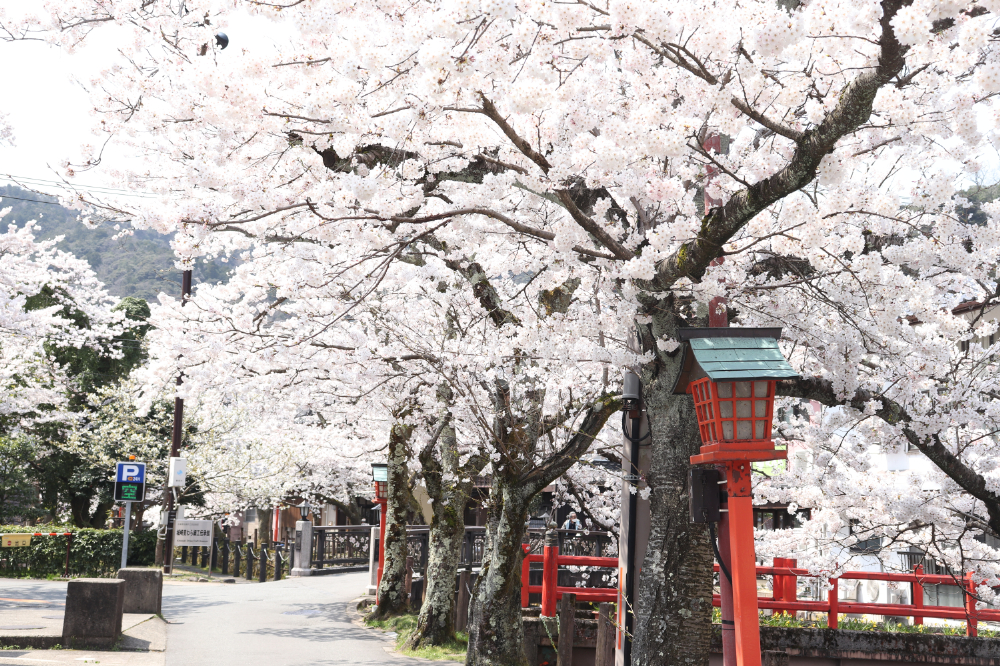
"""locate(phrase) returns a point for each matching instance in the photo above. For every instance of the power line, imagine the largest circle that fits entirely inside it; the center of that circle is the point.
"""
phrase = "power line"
(51, 203)
(97, 189)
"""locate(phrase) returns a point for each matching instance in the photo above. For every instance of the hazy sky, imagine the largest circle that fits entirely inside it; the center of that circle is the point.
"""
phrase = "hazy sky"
(49, 108)
(48, 111)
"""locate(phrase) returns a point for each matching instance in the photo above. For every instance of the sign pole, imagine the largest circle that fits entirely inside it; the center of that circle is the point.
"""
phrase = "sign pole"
(130, 486)
(175, 451)
(125, 531)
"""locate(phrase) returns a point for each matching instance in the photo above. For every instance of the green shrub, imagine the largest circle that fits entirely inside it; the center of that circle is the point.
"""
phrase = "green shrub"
(93, 553)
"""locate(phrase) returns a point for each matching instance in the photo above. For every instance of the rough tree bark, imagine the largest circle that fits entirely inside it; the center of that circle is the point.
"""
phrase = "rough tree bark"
(265, 521)
(392, 599)
(436, 622)
(673, 620)
(495, 630)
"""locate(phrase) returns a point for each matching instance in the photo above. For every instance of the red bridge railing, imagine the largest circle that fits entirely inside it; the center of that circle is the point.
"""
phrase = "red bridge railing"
(550, 589)
(784, 596)
(785, 586)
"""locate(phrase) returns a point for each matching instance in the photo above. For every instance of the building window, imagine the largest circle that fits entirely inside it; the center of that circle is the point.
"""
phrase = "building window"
(872, 544)
(777, 517)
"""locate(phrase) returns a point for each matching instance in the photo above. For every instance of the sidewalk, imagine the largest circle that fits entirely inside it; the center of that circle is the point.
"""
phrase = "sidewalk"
(291, 622)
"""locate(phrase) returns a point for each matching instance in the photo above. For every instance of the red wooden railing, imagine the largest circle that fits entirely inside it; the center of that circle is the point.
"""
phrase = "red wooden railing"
(550, 589)
(784, 596)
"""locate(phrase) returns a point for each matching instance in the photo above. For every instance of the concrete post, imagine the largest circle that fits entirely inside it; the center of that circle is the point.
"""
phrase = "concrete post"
(143, 590)
(303, 549)
(93, 617)
(373, 562)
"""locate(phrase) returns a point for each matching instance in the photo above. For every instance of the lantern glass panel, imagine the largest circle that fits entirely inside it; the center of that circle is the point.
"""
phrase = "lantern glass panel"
(743, 430)
(760, 408)
(742, 389)
(759, 426)
(727, 430)
(724, 389)
(726, 409)
(742, 409)
(760, 389)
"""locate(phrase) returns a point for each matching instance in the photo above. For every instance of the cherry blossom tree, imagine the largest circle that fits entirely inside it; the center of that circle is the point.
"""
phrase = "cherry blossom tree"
(569, 137)
(49, 300)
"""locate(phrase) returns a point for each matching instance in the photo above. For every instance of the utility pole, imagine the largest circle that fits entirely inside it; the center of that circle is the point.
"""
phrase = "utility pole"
(175, 451)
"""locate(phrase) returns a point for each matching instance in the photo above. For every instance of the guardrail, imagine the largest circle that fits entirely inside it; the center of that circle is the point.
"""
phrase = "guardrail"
(784, 597)
(785, 593)
(550, 589)
(262, 563)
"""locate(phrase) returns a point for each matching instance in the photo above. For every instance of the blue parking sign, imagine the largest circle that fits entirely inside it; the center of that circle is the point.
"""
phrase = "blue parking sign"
(131, 472)
(130, 481)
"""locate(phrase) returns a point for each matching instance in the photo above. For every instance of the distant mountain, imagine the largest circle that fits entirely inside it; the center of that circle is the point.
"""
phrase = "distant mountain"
(141, 265)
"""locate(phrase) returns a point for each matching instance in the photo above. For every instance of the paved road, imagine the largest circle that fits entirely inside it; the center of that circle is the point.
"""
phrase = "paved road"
(292, 622)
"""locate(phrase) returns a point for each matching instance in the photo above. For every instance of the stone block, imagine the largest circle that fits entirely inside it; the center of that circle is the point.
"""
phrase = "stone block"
(93, 612)
(302, 550)
(143, 590)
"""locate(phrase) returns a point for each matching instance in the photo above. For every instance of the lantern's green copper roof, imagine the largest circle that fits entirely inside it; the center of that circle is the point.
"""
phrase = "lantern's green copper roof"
(741, 358)
(726, 354)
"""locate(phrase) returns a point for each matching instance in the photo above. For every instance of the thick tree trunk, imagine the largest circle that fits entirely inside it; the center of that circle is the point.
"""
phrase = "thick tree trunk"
(436, 624)
(495, 631)
(674, 597)
(265, 518)
(392, 599)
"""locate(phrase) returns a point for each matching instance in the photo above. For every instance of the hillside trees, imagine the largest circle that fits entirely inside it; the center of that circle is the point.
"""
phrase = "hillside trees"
(62, 338)
(570, 137)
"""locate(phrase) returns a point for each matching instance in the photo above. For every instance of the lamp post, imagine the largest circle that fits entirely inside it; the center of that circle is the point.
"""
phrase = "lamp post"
(304, 509)
(380, 476)
(732, 375)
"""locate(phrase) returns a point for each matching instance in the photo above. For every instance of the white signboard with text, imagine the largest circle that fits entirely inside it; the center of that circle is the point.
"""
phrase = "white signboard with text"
(192, 533)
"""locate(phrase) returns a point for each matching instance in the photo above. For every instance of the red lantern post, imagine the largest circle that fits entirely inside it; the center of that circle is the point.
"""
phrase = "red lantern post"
(732, 373)
(380, 475)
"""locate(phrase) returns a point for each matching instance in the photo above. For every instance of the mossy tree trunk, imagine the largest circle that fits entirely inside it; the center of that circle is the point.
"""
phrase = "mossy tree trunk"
(449, 493)
(392, 598)
(495, 630)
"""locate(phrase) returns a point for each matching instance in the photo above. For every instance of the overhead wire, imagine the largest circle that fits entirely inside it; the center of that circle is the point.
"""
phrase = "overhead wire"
(95, 189)
(7, 196)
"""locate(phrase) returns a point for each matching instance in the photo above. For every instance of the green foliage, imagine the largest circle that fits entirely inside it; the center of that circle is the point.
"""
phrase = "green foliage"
(851, 624)
(140, 264)
(18, 496)
(67, 478)
(404, 625)
(781, 620)
(977, 195)
(93, 553)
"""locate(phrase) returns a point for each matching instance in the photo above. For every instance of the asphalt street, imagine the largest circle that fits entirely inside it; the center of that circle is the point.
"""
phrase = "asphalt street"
(292, 622)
